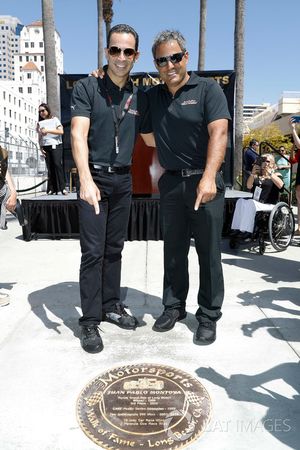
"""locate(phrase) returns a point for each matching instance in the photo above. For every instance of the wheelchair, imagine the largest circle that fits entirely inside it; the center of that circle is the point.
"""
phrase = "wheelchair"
(275, 226)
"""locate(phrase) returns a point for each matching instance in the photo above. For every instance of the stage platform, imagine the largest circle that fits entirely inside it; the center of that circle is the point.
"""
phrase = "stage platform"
(56, 216)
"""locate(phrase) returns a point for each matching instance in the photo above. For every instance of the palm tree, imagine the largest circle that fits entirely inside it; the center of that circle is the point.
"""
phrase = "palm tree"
(50, 57)
(100, 33)
(202, 32)
(108, 14)
(239, 87)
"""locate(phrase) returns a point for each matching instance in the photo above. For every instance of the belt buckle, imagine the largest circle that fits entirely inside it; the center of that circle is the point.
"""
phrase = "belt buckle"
(110, 169)
(185, 172)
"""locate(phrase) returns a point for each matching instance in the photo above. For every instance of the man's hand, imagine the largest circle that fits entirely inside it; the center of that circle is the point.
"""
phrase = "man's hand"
(98, 73)
(206, 191)
(91, 194)
(292, 123)
(256, 169)
(11, 201)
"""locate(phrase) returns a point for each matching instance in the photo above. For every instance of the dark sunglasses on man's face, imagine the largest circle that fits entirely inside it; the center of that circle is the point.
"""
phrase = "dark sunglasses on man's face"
(174, 59)
(116, 51)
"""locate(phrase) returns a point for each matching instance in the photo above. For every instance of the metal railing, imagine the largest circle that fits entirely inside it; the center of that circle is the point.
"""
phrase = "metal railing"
(24, 159)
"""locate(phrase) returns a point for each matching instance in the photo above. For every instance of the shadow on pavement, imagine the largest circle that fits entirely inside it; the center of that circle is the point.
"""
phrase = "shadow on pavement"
(7, 286)
(63, 301)
(274, 269)
(267, 299)
(284, 328)
(283, 413)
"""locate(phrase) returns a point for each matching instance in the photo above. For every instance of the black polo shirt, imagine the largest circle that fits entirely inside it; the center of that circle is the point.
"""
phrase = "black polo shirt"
(180, 122)
(90, 98)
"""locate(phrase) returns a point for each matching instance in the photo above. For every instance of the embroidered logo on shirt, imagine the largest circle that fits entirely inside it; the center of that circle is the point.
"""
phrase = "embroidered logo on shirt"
(189, 102)
(133, 112)
(73, 106)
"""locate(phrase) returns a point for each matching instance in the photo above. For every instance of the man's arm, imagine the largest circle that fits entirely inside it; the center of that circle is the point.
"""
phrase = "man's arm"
(149, 139)
(216, 149)
(294, 132)
(12, 199)
(79, 135)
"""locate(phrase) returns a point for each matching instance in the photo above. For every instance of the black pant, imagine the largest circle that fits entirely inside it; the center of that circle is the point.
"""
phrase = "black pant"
(56, 182)
(102, 239)
(179, 223)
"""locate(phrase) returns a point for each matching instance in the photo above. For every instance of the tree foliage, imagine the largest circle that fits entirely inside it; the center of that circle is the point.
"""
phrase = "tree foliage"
(270, 133)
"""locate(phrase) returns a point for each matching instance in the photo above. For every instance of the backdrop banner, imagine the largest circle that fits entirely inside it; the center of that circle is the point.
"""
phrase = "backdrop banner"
(145, 166)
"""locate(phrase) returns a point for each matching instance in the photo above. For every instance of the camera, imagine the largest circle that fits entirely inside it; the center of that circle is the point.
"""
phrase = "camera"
(260, 160)
(296, 119)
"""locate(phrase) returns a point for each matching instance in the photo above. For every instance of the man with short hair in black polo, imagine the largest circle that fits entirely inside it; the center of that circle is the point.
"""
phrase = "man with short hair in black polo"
(190, 120)
(249, 158)
(107, 115)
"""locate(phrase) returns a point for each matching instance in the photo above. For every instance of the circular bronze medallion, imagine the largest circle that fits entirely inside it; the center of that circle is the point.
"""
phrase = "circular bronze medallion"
(144, 406)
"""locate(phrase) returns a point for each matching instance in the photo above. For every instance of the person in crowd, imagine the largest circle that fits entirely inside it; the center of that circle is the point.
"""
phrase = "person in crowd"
(8, 200)
(190, 122)
(249, 157)
(284, 166)
(266, 183)
(107, 115)
(294, 158)
(50, 132)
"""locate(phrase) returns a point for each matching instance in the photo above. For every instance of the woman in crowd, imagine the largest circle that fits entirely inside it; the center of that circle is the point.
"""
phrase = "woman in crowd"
(284, 166)
(8, 200)
(294, 158)
(265, 183)
(50, 131)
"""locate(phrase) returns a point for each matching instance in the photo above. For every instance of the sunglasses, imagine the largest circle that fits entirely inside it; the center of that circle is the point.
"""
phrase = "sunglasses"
(174, 59)
(42, 110)
(116, 51)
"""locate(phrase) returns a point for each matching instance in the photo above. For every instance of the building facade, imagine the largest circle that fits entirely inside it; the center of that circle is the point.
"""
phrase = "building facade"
(10, 30)
(22, 90)
(32, 50)
(279, 114)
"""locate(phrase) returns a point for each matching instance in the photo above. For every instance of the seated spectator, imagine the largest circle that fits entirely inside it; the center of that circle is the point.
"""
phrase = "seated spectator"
(284, 166)
(265, 183)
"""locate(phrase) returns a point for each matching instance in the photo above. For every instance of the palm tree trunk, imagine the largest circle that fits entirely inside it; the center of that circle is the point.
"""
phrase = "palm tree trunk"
(202, 34)
(239, 86)
(100, 33)
(50, 57)
(108, 14)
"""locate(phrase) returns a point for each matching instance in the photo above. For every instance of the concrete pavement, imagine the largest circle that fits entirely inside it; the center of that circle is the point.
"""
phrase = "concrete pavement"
(251, 372)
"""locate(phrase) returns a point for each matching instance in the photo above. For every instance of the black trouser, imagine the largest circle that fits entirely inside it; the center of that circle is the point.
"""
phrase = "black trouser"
(102, 239)
(179, 223)
(56, 181)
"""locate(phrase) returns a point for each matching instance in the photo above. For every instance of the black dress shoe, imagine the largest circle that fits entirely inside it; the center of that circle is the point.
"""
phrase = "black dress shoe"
(206, 332)
(167, 320)
(91, 341)
(119, 316)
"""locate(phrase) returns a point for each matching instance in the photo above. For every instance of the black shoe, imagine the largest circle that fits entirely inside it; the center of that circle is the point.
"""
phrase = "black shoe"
(167, 320)
(119, 316)
(206, 332)
(245, 235)
(91, 341)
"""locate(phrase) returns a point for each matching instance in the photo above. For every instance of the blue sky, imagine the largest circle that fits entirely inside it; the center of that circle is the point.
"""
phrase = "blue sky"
(271, 45)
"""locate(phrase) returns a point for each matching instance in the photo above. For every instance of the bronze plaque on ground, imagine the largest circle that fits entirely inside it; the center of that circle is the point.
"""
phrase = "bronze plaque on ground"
(144, 406)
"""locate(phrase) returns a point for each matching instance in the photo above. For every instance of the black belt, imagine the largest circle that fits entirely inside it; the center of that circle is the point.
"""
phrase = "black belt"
(112, 169)
(186, 172)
